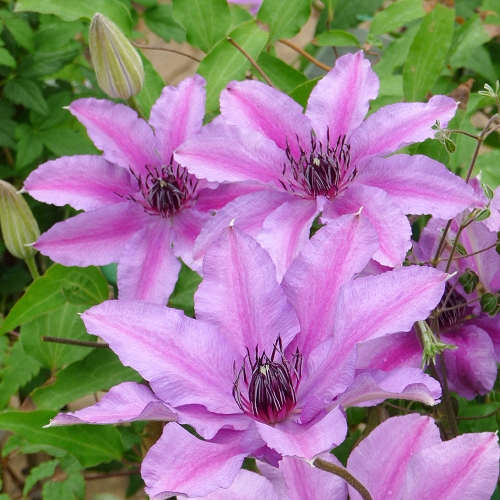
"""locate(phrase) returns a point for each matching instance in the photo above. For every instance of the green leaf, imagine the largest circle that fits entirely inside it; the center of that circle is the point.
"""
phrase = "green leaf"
(17, 370)
(428, 52)
(54, 36)
(206, 21)
(489, 303)
(99, 371)
(47, 63)
(71, 488)
(151, 89)
(302, 92)
(6, 58)
(396, 15)
(59, 285)
(396, 53)
(7, 128)
(487, 166)
(466, 40)
(469, 280)
(183, 295)
(160, 20)
(64, 322)
(480, 62)
(348, 13)
(29, 146)
(284, 19)
(71, 11)
(239, 15)
(42, 471)
(90, 444)
(225, 62)
(281, 74)
(27, 93)
(64, 142)
(337, 38)
(21, 32)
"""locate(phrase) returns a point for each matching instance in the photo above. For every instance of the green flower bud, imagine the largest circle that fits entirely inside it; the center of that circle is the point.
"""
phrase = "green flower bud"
(117, 64)
(19, 227)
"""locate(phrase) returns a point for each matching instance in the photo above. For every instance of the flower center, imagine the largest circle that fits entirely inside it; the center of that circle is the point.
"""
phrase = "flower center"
(323, 171)
(270, 385)
(452, 308)
(166, 190)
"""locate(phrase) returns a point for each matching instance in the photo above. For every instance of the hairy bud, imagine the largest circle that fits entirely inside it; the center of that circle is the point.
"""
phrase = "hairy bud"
(117, 64)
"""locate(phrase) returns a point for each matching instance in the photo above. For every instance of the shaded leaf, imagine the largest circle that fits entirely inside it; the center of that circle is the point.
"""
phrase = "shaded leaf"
(206, 21)
(90, 444)
(281, 74)
(160, 20)
(99, 371)
(59, 285)
(428, 52)
(284, 19)
(27, 93)
(396, 15)
(337, 38)
(225, 62)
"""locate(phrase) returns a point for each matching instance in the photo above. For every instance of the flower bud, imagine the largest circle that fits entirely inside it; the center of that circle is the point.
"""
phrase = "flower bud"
(117, 64)
(19, 227)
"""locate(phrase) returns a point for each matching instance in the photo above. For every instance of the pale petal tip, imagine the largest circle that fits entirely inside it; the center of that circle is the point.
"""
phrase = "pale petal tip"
(231, 224)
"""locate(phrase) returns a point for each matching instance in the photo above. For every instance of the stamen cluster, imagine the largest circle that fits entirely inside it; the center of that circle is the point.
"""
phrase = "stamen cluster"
(452, 307)
(323, 171)
(271, 386)
(166, 190)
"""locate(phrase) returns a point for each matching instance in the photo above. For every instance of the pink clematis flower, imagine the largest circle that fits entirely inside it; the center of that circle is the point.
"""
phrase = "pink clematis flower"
(142, 209)
(328, 161)
(472, 367)
(404, 458)
(265, 368)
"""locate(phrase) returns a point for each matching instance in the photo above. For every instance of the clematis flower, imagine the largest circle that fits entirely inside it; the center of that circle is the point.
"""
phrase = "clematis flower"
(142, 209)
(328, 161)
(265, 368)
(471, 368)
(405, 458)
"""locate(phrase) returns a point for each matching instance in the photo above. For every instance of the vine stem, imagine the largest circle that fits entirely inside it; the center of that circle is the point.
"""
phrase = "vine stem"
(252, 61)
(345, 475)
(59, 340)
(303, 53)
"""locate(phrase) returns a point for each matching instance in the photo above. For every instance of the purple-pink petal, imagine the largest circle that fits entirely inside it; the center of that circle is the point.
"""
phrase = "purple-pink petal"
(465, 468)
(84, 182)
(123, 137)
(286, 231)
(224, 153)
(148, 268)
(333, 256)
(296, 479)
(340, 100)
(418, 185)
(245, 302)
(291, 438)
(472, 368)
(185, 361)
(179, 463)
(177, 114)
(246, 486)
(256, 106)
(380, 461)
(126, 402)
(248, 212)
(392, 226)
(93, 238)
(397, 125)
(373, 306)
(373, 387)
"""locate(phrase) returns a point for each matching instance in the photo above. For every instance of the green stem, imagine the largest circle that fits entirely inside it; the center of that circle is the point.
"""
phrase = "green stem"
(30, 262)
(345, 475)
(132, 102)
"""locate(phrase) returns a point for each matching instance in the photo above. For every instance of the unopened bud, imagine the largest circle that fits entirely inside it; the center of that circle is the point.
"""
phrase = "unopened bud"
(117, 64)
(19, 227)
